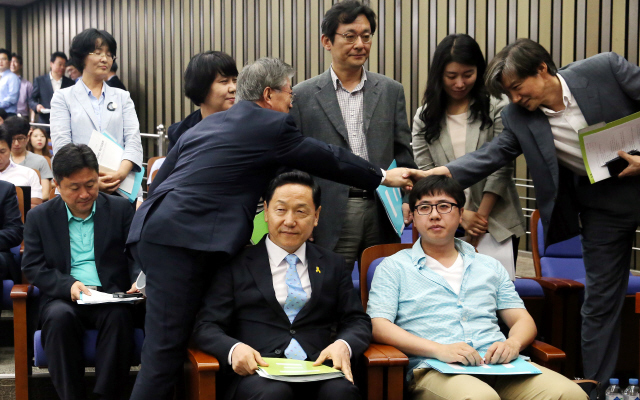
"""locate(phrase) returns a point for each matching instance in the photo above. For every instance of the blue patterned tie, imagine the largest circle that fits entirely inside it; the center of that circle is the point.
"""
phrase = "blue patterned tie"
(296, 299)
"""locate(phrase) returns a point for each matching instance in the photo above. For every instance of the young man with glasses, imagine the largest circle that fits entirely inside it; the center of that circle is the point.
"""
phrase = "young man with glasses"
(358, 110)
(440, 299)
(17, 174)
(18, 129)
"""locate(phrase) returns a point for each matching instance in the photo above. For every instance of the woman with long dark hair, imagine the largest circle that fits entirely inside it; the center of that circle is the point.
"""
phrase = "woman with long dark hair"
(457, 117)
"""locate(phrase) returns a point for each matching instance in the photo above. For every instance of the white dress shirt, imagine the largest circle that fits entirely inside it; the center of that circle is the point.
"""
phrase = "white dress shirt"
(565, 125)
(57, 84)
(22, 176)
(279, 268)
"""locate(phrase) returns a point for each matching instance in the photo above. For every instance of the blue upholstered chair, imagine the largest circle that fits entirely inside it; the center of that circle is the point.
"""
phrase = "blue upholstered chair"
(563, 260)
(19, 295)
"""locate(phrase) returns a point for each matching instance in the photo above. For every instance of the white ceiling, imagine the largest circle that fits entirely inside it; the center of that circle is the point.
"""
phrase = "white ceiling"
(16, 3)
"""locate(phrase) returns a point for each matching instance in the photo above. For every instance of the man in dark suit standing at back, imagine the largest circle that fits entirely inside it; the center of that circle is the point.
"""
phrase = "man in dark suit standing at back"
(548, 108)
(75, 243)
(362, 112)
(113, 79)
(46, 85)
(280, 298)
(202, 203)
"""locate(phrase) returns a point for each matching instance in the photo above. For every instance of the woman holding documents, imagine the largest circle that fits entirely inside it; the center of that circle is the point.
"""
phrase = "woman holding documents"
(457, 117)
(91, 105)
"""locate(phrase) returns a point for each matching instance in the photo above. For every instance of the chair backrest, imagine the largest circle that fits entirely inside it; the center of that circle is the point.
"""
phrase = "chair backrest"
(20, 195)
(37, 172)
(150, 169)
(559, 260)
(370, 259)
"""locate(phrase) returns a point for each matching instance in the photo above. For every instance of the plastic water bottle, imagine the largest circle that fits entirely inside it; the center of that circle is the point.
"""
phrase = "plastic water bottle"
(631, 392)
(613, 391)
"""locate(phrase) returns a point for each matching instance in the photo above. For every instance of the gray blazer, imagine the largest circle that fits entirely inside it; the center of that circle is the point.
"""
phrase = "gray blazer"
(506, 218)
(606, 88)
(317, 114)
(73, 120)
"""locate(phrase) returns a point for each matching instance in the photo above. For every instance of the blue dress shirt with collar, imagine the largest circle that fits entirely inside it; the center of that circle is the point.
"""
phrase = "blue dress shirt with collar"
(408, 293)
(9, 91)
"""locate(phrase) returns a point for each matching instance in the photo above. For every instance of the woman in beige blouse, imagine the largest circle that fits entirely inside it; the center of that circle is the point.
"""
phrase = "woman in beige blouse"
(457, 117)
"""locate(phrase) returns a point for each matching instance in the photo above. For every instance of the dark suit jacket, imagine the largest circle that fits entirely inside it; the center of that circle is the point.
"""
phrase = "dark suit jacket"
(205, 194)
(317, 114)
(10, 230)
(10, 219)
(176, 130)
(43, 92)
(46, 262)
(241, 306)
(116, 83)
(606, 88)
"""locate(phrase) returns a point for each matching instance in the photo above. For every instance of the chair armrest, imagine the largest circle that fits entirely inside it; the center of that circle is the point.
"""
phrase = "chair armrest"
(545, 352)
(637, 303)
(19, 292)
(385, 355)
(558, 285)
(202, 361)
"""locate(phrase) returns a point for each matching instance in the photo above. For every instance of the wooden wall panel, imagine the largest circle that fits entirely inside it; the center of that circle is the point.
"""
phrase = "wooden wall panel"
(156, 38)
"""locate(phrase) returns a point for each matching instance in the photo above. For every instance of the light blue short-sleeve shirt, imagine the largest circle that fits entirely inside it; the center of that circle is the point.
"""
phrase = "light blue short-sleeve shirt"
(408, 293)
(83, 259)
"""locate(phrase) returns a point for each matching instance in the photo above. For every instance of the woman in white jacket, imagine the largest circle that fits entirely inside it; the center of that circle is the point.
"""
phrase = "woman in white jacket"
(91, 105)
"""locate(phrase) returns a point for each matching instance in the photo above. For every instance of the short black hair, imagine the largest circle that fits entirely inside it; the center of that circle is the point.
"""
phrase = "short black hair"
(4, 136)
(3, 113)
(71, 158)
(87, 42)
(346, 12)
(203, 69)
(520, 59)
(17, 57)
(70, 63)
(294, 177)
(58, 54)
(434, 185)
(114, 66)
(5, 51)
(16, 126)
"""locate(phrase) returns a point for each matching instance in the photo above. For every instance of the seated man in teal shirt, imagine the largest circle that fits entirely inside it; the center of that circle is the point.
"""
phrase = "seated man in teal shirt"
(440, 299)
(75, 243)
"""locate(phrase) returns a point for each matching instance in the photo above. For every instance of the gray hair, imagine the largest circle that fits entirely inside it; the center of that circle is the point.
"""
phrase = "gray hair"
(520, 59)
(264, 72)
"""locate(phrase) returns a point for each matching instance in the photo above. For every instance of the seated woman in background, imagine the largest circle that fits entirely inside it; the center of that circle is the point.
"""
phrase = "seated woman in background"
(18, 130)
(91, 105)
(37, 143)
(457, 117)
(210, 82)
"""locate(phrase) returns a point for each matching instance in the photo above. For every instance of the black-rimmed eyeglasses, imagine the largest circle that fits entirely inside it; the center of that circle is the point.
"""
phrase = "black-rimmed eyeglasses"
(441, 208)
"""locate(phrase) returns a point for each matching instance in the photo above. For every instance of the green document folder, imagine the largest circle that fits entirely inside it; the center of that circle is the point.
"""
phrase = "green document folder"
(623, 141)
(259, 228)
(284, 369)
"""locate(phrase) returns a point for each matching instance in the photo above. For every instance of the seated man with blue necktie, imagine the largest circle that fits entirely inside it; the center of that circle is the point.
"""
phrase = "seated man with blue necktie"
(281, 298)
(75, 243)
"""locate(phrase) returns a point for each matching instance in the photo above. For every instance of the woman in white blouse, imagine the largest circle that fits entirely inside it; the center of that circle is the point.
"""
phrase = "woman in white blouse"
(457, 117)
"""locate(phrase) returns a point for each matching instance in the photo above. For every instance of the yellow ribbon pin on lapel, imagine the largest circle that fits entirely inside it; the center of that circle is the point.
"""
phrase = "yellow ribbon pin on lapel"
(318, 269)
